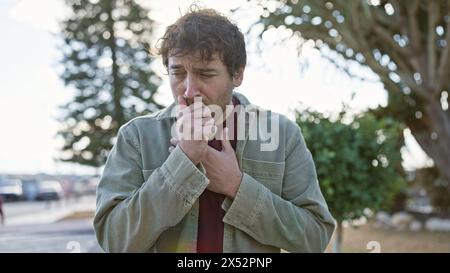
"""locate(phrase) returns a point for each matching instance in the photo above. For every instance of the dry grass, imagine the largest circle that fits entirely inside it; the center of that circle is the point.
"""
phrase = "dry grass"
(79, 215)
(356, 240)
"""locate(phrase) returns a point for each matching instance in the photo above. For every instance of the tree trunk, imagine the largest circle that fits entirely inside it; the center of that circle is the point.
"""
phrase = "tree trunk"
(338, 239)
(434, 139)
(117, 85)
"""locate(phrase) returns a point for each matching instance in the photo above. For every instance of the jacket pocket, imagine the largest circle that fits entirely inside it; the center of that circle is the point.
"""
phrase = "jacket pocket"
(270, 174)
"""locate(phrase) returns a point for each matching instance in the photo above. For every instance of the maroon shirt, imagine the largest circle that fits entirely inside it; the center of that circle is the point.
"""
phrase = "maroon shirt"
(210, 223)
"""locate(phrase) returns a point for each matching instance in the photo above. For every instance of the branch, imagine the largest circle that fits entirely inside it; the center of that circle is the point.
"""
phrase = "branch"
(387, 38)
(382, 71)
(356, 24)
(444, 67)
(414, 31)
(433, 13)
(388, 21)
(408, 79)
(414, 34)
(364, 47)
(397, 53)
(346, 70)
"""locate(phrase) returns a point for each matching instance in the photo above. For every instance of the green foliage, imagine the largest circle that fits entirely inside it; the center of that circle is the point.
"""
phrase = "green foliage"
(357, 162)
(106, 61)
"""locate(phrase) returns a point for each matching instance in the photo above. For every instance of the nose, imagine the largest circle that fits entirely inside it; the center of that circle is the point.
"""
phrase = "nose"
(191, 87)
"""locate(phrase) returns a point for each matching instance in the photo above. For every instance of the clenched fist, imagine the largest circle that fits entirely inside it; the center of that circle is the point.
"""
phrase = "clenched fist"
(195, 126)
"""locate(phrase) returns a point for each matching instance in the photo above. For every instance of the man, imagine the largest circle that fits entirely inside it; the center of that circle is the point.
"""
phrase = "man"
(184, 180)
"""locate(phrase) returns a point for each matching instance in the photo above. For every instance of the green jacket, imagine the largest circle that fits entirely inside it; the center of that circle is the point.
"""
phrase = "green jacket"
(147, 199)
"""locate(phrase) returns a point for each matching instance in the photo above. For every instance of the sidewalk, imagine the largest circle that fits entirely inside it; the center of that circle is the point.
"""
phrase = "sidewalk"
(68, 236)
(51, 213)
(40, 227)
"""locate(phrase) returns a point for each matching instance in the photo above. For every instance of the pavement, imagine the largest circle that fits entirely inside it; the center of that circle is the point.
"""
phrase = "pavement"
(68, 236)
(40, 227)
(32, 213)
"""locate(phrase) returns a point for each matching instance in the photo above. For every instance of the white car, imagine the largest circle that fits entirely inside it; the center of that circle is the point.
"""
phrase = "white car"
(49, 190)
(11, 189)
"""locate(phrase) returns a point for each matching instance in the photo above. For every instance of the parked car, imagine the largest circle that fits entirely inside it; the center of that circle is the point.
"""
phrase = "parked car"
(11, 189)
(30, 188)
(49, 190)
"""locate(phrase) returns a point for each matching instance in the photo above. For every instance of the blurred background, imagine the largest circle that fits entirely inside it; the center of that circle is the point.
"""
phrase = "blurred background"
(366, 80)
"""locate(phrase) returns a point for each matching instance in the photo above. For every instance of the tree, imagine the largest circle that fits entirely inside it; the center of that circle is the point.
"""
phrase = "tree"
(406, 43)
(358, 162)
(106, 60)
(438, 189)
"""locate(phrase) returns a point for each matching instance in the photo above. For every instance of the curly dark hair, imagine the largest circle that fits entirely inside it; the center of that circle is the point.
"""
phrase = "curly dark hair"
(205, 31)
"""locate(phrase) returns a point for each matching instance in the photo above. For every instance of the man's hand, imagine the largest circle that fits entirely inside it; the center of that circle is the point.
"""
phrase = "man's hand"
(222, 168)
(193, 124)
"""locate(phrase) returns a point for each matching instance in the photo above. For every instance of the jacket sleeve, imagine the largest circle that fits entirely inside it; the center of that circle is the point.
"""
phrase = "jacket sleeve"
(132, 213)
(296, 221)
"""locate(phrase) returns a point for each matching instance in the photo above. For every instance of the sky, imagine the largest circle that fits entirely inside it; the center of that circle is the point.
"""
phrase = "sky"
(30, 90)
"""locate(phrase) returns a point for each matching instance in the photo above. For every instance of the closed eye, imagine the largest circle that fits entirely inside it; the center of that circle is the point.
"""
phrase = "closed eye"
(207, 75)
(177, 73)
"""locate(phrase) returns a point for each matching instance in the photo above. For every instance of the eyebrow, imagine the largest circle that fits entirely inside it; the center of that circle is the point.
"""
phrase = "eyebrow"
(201, 70)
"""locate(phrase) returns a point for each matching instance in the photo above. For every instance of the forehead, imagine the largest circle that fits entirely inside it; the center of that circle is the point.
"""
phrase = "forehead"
(194, 61)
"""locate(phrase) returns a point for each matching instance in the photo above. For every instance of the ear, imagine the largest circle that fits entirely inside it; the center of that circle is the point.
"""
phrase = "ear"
(238, 76)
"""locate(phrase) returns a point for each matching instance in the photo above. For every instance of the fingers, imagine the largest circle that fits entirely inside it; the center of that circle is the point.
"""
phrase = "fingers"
(209, 132)
(225, 133)
(181, 101)
(196, 110)
(206, 112)
(171, 148)
(195, 122)
(204, 129)
(174, 141)
(226, 140)
(208, 121)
